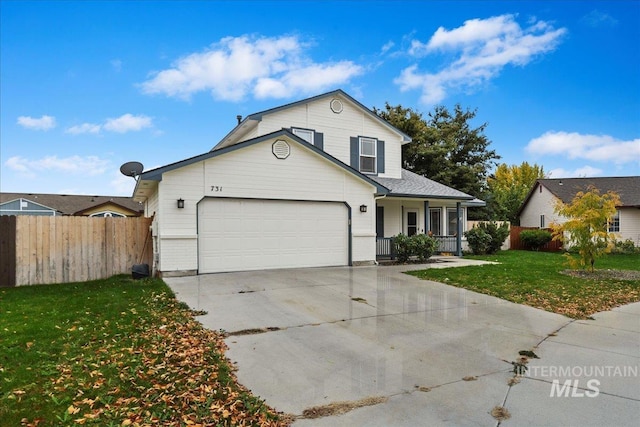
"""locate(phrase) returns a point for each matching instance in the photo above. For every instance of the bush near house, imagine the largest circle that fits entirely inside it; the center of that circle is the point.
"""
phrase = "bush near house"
(625, 247)
(535, 239)
(419, 245)
(478, 241)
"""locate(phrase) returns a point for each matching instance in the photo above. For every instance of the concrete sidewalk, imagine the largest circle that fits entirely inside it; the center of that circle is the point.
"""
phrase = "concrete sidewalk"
(433, 354)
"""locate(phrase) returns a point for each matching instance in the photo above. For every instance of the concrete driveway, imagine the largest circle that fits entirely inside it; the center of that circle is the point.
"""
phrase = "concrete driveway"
(431, 354)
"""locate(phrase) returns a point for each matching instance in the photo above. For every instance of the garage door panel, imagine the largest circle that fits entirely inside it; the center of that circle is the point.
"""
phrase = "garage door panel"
(239, 234)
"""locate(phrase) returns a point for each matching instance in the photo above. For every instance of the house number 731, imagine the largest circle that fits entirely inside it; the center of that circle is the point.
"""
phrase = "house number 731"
(216, 188)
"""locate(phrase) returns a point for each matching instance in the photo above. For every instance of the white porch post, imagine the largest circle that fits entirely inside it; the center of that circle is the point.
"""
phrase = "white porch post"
(459, 233)
(426, 217)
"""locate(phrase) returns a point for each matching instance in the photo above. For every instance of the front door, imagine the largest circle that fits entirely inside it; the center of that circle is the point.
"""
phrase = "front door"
(412, 222)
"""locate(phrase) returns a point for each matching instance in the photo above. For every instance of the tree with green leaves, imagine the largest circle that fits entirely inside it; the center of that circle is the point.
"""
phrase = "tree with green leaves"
(586, 228)
(509, 186)
(446, 147)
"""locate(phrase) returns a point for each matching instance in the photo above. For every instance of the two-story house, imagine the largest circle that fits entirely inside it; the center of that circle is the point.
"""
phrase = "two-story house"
(318, 182)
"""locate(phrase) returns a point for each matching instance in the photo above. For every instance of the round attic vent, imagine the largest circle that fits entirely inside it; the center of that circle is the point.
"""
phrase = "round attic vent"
(336, 106)
(281, 149)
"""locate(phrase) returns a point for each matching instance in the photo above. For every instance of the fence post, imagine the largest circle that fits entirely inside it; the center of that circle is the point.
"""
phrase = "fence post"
(7, 251)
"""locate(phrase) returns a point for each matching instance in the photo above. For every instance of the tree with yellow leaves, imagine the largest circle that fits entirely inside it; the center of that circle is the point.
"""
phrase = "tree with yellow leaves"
(586, 228)
(509, 186)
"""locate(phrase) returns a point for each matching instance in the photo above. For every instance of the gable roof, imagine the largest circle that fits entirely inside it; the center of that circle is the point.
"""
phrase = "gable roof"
(156, 174)
(565, 189)
(252, 119)
(414, 185)
(73, 204)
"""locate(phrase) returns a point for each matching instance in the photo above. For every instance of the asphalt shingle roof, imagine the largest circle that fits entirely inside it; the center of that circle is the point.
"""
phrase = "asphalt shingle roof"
(627, 187)
(69, 204)
(414, 185)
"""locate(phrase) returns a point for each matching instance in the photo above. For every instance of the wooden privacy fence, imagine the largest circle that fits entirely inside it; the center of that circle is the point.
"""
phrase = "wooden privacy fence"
(61, 249)
(516, 243)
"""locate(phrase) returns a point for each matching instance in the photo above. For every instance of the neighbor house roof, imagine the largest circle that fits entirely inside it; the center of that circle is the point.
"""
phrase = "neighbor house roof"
(252, 119)
(414, 185)
(565, 189)
(70, 204)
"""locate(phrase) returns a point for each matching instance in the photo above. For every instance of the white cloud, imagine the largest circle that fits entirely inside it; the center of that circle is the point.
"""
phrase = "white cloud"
(583, 172)
(128, 123)
(77, 165)
(125, 123)
(602, 148)
(116, 64)
(42, 123)
(483, 47)
(267, 67)
(387, 47)
(84, 128)
(595, 19)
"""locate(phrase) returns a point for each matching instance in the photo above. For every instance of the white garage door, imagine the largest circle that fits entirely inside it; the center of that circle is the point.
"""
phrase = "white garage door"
(239, 234)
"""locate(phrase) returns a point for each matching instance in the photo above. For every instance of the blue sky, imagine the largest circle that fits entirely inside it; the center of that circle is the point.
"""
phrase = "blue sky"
(87, 86)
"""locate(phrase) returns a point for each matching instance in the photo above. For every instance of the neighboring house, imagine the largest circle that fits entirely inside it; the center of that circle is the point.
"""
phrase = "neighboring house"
(317, 182)
(65, 204)
(537, 209)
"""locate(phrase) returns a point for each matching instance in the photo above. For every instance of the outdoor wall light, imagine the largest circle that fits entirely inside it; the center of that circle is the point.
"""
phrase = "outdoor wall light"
(363, 208)
(180, 204)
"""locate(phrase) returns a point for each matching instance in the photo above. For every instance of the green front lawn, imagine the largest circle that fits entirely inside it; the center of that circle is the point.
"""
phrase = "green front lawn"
(534, 278)
(114, 352)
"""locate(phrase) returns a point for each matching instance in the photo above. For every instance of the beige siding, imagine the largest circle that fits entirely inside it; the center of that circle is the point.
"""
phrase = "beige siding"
(337, 129)
(540, 203)
(254, 172)
(151, 205)
(630, 225)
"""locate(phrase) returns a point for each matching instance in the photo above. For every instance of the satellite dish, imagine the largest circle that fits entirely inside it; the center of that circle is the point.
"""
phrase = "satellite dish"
(131, 169)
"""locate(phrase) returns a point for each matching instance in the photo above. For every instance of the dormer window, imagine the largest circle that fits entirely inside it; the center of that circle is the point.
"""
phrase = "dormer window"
(310, 135)
(305, 134)
(368, 155)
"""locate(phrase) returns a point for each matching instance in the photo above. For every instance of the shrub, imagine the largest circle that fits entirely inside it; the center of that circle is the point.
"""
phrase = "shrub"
(624, 247)
(424, 246)
(535, 239)
(497, 232)
(479, 240)
(404, 247)
(420, 244)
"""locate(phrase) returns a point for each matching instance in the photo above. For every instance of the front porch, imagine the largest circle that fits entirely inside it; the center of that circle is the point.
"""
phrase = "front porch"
(385, 248)
(418, 205)
(444, 220)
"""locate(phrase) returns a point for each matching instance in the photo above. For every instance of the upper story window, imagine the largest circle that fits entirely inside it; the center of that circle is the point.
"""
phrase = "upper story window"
(368, 155)
(614, 223)
(305, 134)
(310, 135)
